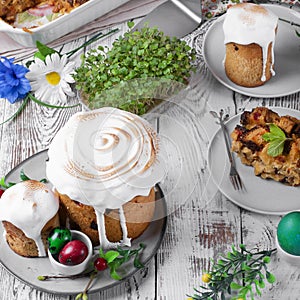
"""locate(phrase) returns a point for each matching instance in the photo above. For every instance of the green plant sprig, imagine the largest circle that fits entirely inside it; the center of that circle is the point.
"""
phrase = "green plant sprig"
(143, 54)
(242, 271)
(114, 259)
(276, 139)
(23, 177)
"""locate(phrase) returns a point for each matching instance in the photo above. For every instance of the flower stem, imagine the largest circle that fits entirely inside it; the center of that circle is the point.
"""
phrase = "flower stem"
(34, 99)
(83, 295)
(92, 40)
(289, 22)
(25, 101)
(92, 277)
(47, 277)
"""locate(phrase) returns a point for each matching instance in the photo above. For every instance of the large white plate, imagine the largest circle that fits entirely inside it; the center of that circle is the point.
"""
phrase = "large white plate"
(28, 269)
(262, 196)
(287, 57)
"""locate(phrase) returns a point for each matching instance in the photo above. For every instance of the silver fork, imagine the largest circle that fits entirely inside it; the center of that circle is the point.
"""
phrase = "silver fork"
(233, 174)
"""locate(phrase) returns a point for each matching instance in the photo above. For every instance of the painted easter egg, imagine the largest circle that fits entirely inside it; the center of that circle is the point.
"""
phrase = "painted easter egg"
(58, 238)
(73, 253)
(288, 233)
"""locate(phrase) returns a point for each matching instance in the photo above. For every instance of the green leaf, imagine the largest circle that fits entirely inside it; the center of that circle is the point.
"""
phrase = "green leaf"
(270, 277)
(137, 263)
(23, 176)
(275, 133)
(276, 138)
(261, 284)
(266, 259)
(235, 286)
(130, 24)
(275, 147)
(111, 255)
(43, 51)
(2, 183)
(114, 274)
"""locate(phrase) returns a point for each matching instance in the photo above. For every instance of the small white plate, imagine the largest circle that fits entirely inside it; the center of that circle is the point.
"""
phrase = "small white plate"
(287, 57)
(261, 195)
(28, 269)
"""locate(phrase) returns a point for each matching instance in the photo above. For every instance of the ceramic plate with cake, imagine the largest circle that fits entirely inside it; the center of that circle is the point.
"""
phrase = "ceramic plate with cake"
(271, 183)
(103, 167)
(260, 58)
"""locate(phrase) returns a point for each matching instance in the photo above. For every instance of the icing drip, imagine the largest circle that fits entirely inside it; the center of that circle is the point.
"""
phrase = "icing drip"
(29, 205)
(126, 241)
(249, 23)
(104, 158)
(104, 242)
(39, 243)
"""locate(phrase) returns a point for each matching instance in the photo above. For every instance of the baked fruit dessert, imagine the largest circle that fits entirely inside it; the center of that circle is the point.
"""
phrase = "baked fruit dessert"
(249, 31)
(250, 143)
(9, 9)
(29, 212)
(104, 164)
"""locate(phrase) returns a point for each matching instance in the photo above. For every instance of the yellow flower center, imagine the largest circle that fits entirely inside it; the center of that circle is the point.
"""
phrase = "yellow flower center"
(53, 78)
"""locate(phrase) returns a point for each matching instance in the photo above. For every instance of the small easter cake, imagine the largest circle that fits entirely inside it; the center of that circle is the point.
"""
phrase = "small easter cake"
(249, 31)
(29, 212)
(104, 164)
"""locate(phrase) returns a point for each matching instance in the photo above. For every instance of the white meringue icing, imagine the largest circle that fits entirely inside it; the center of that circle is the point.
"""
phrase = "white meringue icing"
(29, 205)
(248, 23)
(104, 158)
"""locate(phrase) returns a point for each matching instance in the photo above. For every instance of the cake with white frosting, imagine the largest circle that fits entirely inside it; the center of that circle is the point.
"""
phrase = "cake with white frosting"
(29, 211)
(104, 164)
(249, 31)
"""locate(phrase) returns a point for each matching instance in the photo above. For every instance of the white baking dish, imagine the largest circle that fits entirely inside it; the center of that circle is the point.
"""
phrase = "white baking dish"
(78, 17)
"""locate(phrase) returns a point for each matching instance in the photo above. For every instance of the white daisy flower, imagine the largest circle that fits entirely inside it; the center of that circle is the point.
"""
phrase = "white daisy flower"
(50, 79)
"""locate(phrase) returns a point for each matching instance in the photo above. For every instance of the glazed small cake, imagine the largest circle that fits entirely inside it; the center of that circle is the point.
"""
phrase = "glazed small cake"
(249, 31)
(29, 211)
(104, 164)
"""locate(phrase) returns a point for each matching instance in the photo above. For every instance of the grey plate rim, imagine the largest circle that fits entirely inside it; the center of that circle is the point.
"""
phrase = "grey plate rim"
(264, 91)
(224, 185)
(92, 290)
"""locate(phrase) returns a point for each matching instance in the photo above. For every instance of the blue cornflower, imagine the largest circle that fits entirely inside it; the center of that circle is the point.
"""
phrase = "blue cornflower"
(14, 86)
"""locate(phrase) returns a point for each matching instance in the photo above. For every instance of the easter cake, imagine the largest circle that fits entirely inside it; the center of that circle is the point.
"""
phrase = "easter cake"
(104, 165)
(29, 212)
(249, 31)
(249, 143)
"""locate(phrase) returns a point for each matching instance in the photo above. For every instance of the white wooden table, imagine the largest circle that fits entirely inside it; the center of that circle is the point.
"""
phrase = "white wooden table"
(198, 227)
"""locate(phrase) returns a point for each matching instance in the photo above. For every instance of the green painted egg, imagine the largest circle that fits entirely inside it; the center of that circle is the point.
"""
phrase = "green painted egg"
(58, 238)
(288, 233)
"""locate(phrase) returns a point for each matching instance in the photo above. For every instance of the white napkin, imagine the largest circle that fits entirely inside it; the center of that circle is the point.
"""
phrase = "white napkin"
(130, 10)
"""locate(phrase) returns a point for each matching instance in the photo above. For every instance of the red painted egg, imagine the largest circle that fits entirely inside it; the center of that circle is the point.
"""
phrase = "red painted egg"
(73, 253)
